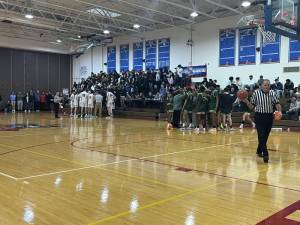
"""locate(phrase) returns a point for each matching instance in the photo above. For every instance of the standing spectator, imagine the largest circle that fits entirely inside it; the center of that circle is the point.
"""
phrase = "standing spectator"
(42, 101)
(231, 81)
(259, 82)
(37, 104)
(31, 100)
(238, 83)
(288, 88)
(250, 84)
(20, 98)
(26, 101)
(13, 99)
(98, 105)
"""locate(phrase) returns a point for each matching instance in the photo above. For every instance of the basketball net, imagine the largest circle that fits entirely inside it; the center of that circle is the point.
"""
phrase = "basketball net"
(268, 36)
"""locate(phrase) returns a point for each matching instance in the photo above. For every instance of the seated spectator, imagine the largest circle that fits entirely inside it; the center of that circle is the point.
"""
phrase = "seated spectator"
(259, 82)
(288, 88)
(238, 83)
(250, 83)
(278, 87)
(297, 92)
(294, 107)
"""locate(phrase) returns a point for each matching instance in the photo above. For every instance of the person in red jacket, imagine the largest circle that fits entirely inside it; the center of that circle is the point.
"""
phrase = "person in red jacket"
(43, 101)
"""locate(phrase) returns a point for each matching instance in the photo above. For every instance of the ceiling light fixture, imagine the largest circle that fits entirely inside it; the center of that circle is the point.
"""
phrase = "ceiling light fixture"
(136, 26)
(79, 36)
(194, 14)
(246, 3)
(28, 15)
(58, 41)
(106, 32)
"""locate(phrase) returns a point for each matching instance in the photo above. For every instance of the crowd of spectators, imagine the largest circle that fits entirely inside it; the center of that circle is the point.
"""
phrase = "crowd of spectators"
(154, 85)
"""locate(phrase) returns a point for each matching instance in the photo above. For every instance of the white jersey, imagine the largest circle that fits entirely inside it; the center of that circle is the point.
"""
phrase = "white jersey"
(72, 98)
(76, 100)
(83, 99)
(110, 99)
(91, 101)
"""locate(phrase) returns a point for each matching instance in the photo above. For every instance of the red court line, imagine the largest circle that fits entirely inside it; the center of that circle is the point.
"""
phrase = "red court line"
(189, 169)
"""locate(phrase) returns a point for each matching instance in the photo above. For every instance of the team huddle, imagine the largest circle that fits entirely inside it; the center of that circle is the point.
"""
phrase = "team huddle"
(89, 104)
(196, 108)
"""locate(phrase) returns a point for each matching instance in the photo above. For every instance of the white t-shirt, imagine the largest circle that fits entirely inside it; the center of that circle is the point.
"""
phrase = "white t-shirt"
(98, 98)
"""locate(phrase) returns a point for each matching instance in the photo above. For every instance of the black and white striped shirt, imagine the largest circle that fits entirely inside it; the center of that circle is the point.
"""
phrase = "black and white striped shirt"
(264, 102)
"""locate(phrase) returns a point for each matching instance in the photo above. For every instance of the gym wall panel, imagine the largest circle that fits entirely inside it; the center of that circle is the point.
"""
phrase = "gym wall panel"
(64, 71)
(18, 70)
(43, 72)
(5, 74)
(23, 70)
(31, 83)
(54, 73)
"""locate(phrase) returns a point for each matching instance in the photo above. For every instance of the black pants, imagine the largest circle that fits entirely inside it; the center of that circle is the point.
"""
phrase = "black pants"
(176, 118)
(56, 109)
(264, 123)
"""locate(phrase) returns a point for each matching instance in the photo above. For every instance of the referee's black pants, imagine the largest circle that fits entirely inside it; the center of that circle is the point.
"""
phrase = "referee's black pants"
(264, 123)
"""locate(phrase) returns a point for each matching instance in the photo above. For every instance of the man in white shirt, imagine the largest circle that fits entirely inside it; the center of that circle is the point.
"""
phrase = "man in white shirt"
(238, 83)
(98, 105)
(250, 83)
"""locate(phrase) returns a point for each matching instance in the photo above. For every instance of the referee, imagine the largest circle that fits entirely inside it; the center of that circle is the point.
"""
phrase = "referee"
(263, 101)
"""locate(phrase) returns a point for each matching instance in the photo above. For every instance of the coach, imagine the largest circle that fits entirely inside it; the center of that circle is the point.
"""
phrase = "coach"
(263, 101)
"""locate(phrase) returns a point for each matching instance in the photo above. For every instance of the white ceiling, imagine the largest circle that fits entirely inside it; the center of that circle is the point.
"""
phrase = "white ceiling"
(66, 19)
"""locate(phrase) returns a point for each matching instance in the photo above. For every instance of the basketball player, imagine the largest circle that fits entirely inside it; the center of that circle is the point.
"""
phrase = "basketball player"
(90, 104)
(76, 100)
(72, 99)
(212, 107)
(83, 103)
(110, 103)
(188, 110)
(246, 113)
(201, 108)
(226, 101)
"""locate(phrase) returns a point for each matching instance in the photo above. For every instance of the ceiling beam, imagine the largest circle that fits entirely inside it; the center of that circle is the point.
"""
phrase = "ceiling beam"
(188, 8)
(126, 13)
(224, 6)
(157, 11)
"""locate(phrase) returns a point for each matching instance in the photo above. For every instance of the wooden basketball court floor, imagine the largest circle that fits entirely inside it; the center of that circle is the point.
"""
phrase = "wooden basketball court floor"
(134, 172)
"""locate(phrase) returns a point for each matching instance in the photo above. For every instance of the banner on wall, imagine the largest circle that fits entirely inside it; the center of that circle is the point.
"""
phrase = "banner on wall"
(195, 71)
(83, 71)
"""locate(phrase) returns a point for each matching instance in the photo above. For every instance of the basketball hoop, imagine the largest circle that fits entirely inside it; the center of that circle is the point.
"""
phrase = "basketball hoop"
(251, 21)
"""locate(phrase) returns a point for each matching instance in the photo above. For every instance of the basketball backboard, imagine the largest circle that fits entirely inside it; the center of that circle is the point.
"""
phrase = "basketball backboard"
(282, 16)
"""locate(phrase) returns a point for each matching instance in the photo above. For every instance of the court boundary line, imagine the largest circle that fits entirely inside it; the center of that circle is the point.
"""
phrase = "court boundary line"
(174, 197)
(127, 160)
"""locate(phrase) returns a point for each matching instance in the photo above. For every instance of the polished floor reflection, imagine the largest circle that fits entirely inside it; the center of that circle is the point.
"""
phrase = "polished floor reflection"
(135, 172)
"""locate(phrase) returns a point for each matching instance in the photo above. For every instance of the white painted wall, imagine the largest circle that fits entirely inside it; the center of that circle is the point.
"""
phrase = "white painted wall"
(205, 51)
